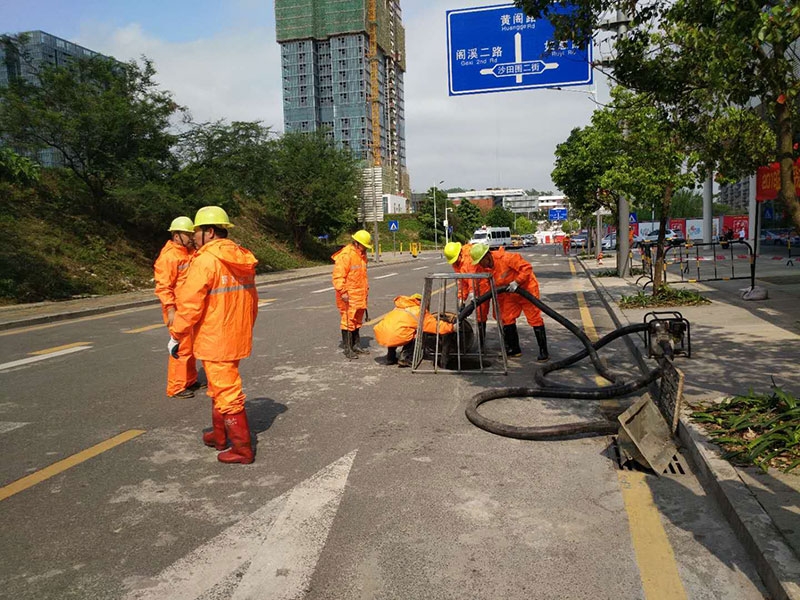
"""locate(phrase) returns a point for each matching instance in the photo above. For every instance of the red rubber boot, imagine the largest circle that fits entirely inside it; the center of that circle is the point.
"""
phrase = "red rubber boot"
(216, 437)
(239, 433)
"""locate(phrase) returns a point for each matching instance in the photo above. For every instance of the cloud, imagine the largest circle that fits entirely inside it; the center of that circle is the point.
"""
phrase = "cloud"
(488, 140)
(233, 75)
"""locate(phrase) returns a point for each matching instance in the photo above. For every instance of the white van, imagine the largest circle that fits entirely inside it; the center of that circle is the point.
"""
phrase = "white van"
(493, 236)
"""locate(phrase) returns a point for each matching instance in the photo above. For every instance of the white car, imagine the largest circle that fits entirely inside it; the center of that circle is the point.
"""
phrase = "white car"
(609, 242)
(671, 236)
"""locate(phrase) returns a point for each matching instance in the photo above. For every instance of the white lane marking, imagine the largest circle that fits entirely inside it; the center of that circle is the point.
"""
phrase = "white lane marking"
(325, 290)
(270, 554)
(419, 268)
(33, 359)
(6, 426)
(442, 263)
(385, 276)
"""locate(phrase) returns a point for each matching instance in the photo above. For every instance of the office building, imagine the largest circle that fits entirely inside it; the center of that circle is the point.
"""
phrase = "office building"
(342, 66)
(37, 50)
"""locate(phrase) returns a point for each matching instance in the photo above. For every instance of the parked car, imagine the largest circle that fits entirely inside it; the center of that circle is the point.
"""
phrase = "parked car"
(530, 239)
(609, 242)
(578, 240)
(671, 237)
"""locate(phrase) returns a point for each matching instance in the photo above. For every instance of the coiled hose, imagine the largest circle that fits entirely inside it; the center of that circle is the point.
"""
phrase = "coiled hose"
(545, 389)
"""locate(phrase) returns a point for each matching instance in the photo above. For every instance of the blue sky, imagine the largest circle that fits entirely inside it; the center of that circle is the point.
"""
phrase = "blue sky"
(219, 58)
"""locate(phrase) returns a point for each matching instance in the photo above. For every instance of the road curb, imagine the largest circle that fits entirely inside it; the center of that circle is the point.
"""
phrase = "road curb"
(774, 559)
(261, 280)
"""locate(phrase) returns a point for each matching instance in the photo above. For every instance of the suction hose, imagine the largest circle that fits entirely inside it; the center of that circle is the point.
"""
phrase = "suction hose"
(547, 390)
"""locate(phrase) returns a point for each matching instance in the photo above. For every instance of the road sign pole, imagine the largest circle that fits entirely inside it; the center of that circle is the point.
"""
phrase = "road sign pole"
(394, 239)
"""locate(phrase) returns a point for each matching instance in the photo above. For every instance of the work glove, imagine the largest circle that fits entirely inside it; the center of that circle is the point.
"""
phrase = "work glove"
(346, 297)
(172, 346)
(512, 287)
(470, 298)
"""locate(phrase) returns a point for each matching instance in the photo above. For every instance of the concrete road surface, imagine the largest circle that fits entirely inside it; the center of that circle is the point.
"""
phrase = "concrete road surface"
(369, 482)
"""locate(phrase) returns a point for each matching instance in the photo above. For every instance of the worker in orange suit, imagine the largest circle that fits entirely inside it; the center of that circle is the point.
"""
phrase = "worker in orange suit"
(510, 269)
(565, 245)
(218, 305)
(352, 290)
(459, 258)
(399, 329)
(169, 268)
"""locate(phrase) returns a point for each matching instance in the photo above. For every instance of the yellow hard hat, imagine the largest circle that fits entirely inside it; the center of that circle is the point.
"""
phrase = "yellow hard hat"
(363, 237)
(212, 215)
(477, 252)
(451, 251)
(416, 296)
(181, 224)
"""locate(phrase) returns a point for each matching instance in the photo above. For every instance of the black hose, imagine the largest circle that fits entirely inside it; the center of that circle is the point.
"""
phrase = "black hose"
(550, 390)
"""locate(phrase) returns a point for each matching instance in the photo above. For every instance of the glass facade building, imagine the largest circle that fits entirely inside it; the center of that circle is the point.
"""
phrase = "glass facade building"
(38, 49)
(327, 78)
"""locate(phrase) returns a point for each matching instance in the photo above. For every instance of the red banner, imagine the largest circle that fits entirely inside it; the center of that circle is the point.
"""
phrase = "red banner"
(768, 181)
(679, 225)
(736, 224)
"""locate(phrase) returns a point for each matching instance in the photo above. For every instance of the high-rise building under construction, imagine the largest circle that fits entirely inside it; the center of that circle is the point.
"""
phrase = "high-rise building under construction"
(342, 67)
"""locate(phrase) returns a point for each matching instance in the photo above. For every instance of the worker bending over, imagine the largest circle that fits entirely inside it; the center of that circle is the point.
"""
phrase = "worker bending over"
(169, 269)
(459, 257)
(398, 329)
(352, 290)
(511, 270)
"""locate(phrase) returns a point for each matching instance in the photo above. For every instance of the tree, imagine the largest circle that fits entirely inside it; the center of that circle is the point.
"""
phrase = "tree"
(431, 228)
(499, 217)
(707, 57)
(17, 169)
(469, 217)
(524, 225)
(316, 185)
(105, 119)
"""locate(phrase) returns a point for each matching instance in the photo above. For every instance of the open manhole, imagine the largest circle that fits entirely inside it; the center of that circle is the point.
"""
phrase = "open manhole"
(677, 465)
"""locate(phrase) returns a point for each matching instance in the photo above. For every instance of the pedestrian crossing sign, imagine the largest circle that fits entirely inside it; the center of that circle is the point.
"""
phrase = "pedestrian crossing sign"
(394, 226)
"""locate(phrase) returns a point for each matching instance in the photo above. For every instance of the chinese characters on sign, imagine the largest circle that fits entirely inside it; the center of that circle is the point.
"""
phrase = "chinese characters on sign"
(499, 48)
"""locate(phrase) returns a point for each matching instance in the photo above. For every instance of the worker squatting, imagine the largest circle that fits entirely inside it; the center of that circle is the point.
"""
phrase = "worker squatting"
(206, 285)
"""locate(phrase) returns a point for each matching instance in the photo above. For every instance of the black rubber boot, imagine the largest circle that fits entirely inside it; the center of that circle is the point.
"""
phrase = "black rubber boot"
(512, 341)
(391, 355)
(357, 343)
(347, 342)
(406, 355)
(541, 339)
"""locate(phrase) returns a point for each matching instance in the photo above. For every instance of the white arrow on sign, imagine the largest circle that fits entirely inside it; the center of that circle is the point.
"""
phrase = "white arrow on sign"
(270, 554)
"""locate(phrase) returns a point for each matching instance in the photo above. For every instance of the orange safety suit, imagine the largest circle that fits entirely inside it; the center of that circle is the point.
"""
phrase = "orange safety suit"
(350, 277)
(478, 287)
(399, 327)
(169, 271)
(565, 244)
(218, 305)
(508, 267)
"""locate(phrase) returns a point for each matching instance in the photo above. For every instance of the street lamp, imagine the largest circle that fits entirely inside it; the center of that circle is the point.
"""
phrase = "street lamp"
(447, 209)
(435, 220)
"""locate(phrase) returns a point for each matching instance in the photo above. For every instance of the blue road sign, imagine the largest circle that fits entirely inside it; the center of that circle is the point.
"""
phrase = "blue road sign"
(394, 226)
(499, 48)
(558, 214)
(632, 218)
(768, 213)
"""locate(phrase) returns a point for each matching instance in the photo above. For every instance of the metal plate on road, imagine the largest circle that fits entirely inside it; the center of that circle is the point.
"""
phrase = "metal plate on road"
(499, 48)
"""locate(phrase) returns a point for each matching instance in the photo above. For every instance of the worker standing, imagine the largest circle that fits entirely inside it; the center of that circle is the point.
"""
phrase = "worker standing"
(565, 244)
(458, 256)
(511, 270)
(398, 329)
(169, 268)
(218, 305)
(352, 290)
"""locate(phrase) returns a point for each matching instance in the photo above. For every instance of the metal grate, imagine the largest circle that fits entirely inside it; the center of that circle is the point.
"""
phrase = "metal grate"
(677, 465)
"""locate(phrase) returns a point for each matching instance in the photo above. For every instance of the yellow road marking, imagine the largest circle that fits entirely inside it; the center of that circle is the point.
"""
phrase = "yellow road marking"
(30, 480)
(658, 569)
(377, 320)
(78, 320)
(145, 328)
(654, 556)
(58, 348)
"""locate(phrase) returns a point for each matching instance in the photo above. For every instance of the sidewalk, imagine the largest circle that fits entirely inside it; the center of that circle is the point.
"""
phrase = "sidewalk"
(19, 315)
(736, 346)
